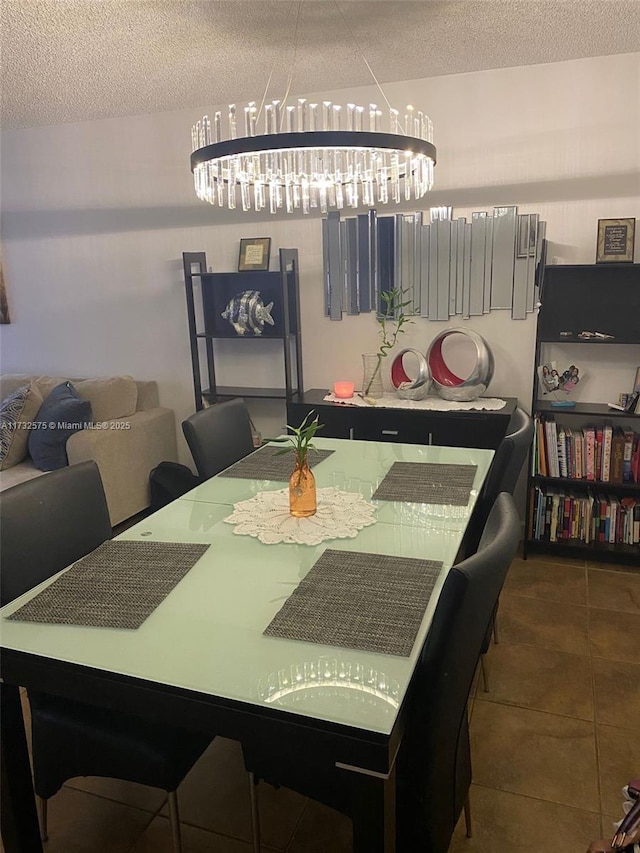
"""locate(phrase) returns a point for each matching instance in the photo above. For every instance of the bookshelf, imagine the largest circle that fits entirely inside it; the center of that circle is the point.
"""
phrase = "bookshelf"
(206, 326)
(583, 496)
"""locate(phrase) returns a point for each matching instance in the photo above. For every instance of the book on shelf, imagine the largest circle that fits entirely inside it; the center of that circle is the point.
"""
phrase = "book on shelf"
(605, 466)
(617, 455)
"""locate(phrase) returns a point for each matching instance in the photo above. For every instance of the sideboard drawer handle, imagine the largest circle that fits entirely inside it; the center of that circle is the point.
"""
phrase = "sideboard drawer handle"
(390, 431)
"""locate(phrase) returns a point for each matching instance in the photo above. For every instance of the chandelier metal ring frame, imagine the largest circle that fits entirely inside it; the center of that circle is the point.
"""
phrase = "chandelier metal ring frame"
(317, 162)
(312, 168)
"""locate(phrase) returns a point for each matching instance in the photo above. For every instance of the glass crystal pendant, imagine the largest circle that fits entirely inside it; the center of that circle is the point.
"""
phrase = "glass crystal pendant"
(301, 157)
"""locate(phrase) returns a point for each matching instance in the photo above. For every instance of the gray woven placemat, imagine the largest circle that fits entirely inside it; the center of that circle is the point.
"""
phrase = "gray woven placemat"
(428, 483)
(116, 586)
(265, 465)
(370, 602)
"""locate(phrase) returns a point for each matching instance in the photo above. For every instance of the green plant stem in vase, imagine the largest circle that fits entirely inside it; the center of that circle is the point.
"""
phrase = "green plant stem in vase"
(391, 321)
(302, 483)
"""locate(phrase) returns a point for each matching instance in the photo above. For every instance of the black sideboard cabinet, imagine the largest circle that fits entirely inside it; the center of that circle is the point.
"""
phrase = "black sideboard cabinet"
(475, 428)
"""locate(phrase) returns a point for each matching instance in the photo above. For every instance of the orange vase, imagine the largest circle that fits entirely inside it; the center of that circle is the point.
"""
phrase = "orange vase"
(302, 490)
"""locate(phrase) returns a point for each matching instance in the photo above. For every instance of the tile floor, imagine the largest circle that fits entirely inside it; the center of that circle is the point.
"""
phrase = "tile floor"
(553, 742)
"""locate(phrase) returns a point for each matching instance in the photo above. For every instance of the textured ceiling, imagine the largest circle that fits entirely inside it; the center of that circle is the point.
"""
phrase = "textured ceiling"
(77, 60)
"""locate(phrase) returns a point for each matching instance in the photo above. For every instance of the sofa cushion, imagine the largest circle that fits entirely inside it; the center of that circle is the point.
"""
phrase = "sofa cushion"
(110, 397)
(17, 411)
(62, 413)
(10, 382)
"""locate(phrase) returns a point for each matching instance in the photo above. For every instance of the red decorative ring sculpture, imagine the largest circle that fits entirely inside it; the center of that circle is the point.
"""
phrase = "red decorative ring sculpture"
(407, 388)
(452, 387)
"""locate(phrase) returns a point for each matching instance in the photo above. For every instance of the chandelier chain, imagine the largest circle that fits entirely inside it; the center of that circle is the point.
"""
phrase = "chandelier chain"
(364, 58)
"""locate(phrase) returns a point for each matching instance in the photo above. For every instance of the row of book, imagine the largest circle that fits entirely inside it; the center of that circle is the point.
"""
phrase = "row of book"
(557, 515)
(601, 453)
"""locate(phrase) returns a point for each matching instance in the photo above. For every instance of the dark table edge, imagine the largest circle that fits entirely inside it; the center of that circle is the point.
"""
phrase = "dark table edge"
(190, 709)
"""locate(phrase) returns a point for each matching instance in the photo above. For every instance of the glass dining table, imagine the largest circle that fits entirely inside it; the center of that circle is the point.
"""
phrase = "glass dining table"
(201, 658)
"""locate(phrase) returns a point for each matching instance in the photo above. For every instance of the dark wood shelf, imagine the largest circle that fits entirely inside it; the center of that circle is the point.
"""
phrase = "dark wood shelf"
(593, 484)
(599, 410)
(597, 341)
(232, 336)
(229, 391)
(217, 290)
(597, 298)
(604, 551)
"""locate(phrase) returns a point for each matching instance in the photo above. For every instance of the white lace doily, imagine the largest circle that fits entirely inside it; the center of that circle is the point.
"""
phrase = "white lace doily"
(434, 404)
(266, 516)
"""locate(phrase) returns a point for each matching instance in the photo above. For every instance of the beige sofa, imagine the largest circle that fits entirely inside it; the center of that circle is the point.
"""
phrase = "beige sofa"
(125, 456)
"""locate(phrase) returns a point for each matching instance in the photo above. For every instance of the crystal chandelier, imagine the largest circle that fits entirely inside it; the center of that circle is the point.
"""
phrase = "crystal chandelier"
(305, 158)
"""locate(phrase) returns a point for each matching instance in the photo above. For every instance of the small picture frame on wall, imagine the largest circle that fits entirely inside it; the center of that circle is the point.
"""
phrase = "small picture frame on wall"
(615, 241)
(254, 253)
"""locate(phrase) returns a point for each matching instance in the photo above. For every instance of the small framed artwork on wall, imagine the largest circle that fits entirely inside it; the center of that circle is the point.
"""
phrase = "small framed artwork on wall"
(615, 241)
(254, 254)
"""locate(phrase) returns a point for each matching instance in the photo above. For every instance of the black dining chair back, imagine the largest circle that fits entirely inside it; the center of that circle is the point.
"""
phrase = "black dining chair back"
(46, 524)
(510, 455)
(218, 436)
(433, 764)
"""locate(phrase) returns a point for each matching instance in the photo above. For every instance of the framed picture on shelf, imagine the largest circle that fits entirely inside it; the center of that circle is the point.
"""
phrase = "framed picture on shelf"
(615, 241)
(254, 254)
(636, 383)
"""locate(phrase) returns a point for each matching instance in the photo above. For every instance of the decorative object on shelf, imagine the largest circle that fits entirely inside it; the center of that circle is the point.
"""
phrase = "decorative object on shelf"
(372, 388)
(553, 382)
(343, 390)
(304, 155)
(615, 240)
(445, 267)
(407, 388)
(302, 484)
(267, 517)
(391, 319)
(450, 386)
(595, 336)
(247, 313)
(254, 253)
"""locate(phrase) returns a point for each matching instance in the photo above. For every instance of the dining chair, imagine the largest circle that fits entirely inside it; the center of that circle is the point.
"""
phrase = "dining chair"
(434, 761)
(47, 524)
(503, 476)
(218, 436)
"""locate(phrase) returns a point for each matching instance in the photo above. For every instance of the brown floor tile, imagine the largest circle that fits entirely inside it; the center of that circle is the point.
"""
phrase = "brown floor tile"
(82, 823)
(511, 822)
(612, 567)
(523, 751)
(157, 839)
(614, 635)
(619, 757)
(322, 830)
(558, 559)
(617, 689)
(540, 679)
(548, 624)
(129, 793)
(548, 581)
(215, 796)
(614, 590)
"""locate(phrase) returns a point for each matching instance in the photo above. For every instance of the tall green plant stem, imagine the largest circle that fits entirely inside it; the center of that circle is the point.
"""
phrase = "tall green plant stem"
(393, 315)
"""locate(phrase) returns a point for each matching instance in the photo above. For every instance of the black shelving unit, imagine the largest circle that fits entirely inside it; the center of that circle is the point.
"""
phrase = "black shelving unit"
(207, 325)
(604, 298)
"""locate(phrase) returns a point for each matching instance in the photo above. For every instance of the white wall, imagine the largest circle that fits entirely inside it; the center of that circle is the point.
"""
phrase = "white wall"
(96, 216)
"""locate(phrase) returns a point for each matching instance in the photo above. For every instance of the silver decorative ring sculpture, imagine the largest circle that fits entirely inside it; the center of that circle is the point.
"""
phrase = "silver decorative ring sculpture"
(407, 388)
(452, 387)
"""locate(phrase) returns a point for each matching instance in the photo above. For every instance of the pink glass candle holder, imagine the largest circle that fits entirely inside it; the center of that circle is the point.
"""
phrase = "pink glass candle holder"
(344, 390)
